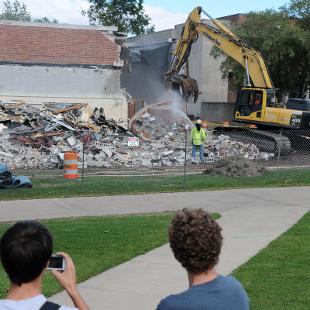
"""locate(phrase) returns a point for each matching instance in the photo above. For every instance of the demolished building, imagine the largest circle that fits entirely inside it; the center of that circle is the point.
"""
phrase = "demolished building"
(60, 91)
(37, 138)
(149, 57)
(58, 63)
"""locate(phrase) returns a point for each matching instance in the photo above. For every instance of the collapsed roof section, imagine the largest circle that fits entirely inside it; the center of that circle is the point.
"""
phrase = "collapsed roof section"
(148, 63)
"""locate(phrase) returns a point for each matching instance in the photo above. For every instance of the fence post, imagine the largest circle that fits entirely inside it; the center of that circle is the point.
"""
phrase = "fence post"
(279, 153)
(83, 161)
(185, 162)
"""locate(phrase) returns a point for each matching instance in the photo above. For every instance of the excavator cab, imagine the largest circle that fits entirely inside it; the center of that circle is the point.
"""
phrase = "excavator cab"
(250, 103)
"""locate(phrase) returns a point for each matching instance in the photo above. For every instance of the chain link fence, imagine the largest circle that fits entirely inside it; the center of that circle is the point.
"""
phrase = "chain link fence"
(122, 165)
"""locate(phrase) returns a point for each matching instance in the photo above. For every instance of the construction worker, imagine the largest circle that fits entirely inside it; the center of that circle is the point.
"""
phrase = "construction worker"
(198, 137)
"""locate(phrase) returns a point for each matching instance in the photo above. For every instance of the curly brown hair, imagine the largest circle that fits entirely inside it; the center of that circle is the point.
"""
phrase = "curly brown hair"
(195, 239)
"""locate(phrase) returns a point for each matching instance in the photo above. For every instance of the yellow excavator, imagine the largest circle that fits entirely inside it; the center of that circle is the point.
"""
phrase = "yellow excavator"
(256, 102)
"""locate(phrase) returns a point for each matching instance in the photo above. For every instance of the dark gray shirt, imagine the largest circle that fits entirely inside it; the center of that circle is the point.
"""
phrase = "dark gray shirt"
(222, 293)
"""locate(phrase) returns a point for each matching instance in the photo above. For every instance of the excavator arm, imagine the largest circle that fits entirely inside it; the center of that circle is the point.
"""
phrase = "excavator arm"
(225, 40)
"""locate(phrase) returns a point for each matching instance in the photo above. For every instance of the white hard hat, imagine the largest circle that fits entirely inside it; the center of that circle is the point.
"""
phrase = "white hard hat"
(198, 121)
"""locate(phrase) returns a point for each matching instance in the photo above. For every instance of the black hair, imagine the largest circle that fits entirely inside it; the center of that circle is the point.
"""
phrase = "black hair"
(25, 249)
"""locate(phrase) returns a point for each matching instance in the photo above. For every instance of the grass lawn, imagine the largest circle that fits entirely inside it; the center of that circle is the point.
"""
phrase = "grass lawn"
(276, 278)
(100, 243)
(279, 276)
(107, 185)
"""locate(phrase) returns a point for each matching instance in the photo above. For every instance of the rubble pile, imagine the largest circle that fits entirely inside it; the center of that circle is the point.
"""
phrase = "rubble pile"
(37, 137)
(235, 167)
(163, 133)
(166, 135)
(218, 147)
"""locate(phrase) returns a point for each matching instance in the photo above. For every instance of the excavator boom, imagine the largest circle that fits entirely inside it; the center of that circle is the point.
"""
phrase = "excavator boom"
(224, 39)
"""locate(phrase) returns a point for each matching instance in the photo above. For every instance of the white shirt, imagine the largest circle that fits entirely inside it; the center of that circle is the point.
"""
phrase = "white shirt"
(34, 303)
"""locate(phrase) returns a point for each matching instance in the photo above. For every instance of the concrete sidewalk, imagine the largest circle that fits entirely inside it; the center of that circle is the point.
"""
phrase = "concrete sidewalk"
(214, 201)
(250, 219)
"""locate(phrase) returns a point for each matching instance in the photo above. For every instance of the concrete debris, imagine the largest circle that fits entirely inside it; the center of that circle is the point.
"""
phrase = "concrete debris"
(235, 167)
(6, 154)
(223, 147)
(37, 137)
(71, 140)
(164, 130)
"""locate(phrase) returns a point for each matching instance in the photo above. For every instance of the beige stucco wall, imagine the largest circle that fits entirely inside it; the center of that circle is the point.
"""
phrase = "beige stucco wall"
(115, 108)
(99, 87)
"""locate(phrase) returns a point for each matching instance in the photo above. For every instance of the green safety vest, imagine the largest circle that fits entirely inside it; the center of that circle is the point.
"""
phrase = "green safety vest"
(198, 137)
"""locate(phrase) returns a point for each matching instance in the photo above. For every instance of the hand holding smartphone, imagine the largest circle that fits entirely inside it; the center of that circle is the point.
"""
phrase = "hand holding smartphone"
(63, 270)
(56, 262)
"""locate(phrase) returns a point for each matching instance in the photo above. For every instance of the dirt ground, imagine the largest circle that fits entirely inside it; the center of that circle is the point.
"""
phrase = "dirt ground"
(235, 168)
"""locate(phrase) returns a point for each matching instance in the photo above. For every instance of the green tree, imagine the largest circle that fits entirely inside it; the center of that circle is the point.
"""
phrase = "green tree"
(45, 20)
(300, 11)
(283, 44)
(15, 10)
(128, 15)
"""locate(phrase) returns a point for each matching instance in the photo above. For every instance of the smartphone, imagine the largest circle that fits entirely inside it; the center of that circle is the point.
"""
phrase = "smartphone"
(56, 262)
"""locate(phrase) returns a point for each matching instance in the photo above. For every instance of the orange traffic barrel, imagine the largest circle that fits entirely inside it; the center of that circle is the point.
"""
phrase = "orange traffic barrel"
(70, 165)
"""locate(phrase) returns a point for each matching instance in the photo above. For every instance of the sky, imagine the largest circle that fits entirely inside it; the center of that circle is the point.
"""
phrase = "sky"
(164, 13)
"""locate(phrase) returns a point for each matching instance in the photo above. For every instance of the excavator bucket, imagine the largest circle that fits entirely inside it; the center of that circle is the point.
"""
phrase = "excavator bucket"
(187, 87)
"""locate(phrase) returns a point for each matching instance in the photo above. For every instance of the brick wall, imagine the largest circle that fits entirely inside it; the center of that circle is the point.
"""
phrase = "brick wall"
(39, 44)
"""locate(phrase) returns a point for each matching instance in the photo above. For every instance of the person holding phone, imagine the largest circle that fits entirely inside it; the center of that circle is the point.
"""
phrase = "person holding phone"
(25, 251)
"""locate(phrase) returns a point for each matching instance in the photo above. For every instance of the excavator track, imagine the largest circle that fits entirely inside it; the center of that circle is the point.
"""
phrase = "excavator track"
(266, 141)
(300, 139)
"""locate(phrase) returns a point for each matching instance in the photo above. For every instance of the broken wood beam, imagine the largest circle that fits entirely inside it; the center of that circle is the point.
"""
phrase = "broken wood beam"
(71, 108)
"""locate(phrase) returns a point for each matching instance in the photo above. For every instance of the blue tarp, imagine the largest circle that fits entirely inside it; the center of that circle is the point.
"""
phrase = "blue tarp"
(8, 181)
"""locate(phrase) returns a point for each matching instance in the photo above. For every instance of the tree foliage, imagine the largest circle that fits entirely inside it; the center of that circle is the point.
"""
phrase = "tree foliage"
(283, 40)
(46, 20)
(128, 15)
(15, 10)
(300, 11)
